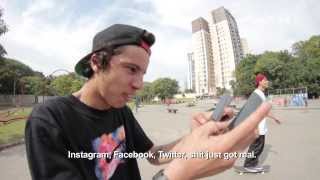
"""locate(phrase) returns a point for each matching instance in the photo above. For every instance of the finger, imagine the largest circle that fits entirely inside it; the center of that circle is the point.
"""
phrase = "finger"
(212, 127)
(223, 126)
(208, 115)
(201, 118)
(239, 147)
(228, 112)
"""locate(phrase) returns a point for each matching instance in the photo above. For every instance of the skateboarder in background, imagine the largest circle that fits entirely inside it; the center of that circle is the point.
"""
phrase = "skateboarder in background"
(251, 164)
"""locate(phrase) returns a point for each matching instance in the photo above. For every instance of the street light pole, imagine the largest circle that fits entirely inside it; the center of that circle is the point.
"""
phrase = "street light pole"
(17, 75)
(14, 87)
(14, 91)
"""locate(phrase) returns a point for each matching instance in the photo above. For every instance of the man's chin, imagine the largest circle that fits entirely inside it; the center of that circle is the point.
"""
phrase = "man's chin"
(119, 105)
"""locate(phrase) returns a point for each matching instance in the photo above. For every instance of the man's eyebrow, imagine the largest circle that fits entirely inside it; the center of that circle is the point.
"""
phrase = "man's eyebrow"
(134, 65)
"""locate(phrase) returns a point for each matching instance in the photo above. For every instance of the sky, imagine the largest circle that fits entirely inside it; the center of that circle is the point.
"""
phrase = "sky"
(48, 35)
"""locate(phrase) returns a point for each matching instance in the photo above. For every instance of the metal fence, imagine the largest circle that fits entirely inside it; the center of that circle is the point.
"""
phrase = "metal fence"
(22, 100)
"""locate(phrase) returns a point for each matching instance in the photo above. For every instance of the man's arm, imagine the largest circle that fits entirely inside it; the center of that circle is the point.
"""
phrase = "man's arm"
(155, 150)
(197, 120)
(205, 138)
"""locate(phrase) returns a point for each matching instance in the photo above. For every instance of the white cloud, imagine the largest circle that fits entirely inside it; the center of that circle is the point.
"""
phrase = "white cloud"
(51, 45)
(38, 7)
(48, 34)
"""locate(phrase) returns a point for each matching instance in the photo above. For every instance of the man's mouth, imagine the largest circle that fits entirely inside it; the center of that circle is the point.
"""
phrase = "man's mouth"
(128, 97)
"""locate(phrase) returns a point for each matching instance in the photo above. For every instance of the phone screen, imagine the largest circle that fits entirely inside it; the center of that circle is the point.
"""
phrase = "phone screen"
(224, 101)
(253, 102)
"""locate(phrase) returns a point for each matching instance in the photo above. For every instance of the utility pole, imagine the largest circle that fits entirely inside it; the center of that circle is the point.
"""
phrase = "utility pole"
(14, 91)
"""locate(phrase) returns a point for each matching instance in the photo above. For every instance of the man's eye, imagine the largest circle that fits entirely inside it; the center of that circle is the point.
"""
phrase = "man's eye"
(132, 69)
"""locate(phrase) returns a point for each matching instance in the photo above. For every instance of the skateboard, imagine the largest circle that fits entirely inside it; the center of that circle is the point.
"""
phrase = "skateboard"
(241, 170)
(170, 110)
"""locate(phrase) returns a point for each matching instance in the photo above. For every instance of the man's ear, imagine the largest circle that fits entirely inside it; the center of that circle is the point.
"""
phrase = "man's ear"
(95, 63)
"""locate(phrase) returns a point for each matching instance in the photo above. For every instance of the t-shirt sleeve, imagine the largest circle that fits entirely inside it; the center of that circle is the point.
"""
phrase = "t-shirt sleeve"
(46, 152)
(141, 141)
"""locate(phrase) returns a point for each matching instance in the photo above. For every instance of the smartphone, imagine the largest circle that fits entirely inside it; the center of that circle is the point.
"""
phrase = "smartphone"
(253, 102)
(224, 101)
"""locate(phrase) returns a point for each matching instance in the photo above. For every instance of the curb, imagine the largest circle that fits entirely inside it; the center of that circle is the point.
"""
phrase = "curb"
(9, 145)
(297, 108)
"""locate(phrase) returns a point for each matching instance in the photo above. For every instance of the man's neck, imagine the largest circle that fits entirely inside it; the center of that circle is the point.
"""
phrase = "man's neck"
(91, 97)
(261, 88)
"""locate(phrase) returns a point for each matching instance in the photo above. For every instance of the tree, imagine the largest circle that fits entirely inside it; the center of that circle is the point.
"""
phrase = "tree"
(146, 94)
(312, 77)
(221, 91)
(188, 91)
(10, 73)
(244, 73)
(233, 85)
(165, 87)
(277, 67)
(307, 49)
(3, 29)
(307, 55)
(34, 85)
(297, 50)
(66, 84)
(284, 70)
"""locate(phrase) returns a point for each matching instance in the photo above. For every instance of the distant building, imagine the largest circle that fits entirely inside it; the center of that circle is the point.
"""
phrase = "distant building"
(244, 46)
(202, 53)
(216, 49)
(226, 46)
(191, 73)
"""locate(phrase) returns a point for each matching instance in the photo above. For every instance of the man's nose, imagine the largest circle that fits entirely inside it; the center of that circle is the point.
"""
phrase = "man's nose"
(138, 82)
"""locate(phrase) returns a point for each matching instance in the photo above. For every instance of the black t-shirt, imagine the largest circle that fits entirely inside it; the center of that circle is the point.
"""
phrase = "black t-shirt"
(63, 135)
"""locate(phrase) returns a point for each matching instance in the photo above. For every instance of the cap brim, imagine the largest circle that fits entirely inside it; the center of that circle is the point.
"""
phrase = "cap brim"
(82, 65)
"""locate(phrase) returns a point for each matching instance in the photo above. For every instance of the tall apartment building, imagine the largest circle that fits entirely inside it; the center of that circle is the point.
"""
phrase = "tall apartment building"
(217, 50)
(226, 46)
(202, 54)
(191, 73)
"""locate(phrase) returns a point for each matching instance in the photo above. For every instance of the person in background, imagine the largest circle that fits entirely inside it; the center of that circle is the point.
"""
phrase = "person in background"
(251, 164)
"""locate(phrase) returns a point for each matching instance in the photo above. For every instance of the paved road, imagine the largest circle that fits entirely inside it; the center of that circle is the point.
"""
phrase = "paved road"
(13, 164)
(292, 149)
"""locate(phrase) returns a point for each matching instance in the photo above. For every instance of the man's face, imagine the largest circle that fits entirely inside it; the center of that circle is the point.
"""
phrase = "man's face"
(264, 83)
(123, 77)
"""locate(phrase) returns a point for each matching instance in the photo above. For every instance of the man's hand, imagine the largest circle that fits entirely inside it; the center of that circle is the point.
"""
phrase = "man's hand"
(197, 120)
(207, 137)
(202, 118)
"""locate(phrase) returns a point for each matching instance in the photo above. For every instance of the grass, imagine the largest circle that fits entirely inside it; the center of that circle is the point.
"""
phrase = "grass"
(12, 132)
(15, 130)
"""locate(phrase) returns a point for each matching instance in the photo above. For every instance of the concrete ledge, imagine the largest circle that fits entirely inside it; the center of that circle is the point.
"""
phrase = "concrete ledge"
(12, 144)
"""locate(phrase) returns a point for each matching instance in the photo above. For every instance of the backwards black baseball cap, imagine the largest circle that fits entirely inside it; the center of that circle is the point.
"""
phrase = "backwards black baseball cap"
(113, 37)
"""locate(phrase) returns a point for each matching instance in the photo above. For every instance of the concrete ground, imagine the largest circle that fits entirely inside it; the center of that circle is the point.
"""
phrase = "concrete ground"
(292, 149)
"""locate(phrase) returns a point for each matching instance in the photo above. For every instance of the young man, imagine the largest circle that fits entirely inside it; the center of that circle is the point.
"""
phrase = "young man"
(92, 134)
(251, 164)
